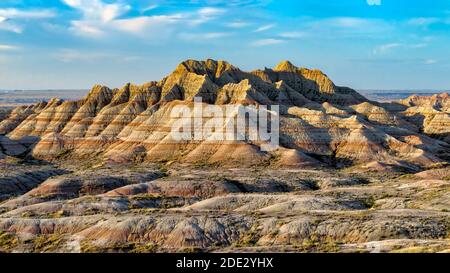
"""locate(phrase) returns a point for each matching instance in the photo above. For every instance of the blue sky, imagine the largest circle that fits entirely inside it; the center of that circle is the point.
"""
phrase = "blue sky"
(364, 44)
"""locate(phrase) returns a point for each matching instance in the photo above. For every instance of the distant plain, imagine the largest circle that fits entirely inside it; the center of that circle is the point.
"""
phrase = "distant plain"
(12, 98)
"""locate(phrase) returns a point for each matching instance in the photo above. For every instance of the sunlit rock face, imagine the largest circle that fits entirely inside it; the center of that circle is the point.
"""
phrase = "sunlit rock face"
(431, 114)
(320, 123)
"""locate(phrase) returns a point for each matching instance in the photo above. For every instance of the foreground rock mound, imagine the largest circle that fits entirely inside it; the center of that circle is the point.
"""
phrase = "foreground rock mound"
(142, 209)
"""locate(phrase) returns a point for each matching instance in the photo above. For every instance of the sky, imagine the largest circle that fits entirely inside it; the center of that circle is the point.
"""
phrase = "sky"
(363, 44)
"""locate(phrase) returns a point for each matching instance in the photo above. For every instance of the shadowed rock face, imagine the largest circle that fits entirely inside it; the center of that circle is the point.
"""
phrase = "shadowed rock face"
(321, 123)
(4, 112)
(17, 180)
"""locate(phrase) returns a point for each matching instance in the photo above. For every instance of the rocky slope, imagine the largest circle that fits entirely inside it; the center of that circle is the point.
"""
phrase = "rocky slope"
(147, 209)
(430, 114)
(319, 122)
(4, 112)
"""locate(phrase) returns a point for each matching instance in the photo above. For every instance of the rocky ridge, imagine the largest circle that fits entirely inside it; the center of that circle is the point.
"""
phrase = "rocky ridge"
(319, 121)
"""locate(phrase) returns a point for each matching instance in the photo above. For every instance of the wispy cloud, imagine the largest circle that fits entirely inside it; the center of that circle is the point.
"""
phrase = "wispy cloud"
(265, 27)
(421, 45)
(97, 10)
(7, 25)
(144, 25)
(68, 55)
(402, 61)
(292, 35)
(204, 36)
(234, 3)
(209, 12)
(267, 42)
(4, 47)
(149, 8)
(428, 21)
(345, 27)
(87, 28)
(354, 23)
(10, 18)
(72, 55)
(13, 13)
(385, 48)
(430, 61)
(423, 21)
(204, 15)
(238, 24)
(100, 19)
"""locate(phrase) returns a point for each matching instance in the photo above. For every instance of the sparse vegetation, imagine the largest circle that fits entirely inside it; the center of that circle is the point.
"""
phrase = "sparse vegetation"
(147, 196)
(408, 177)
(369, 202)
(438, 165)
(312, 184)
(47, 243)
(8, 241)
(130, 247)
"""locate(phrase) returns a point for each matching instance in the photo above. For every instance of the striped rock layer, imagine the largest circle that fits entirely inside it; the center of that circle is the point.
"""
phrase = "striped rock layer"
(320, 123)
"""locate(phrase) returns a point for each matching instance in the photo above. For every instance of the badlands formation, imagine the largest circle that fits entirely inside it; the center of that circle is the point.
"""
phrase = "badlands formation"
(105, 174)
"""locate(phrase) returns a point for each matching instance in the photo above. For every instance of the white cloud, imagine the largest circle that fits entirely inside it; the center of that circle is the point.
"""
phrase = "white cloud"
(267, 42)
(264, 28)
(68, 55)
(422, 45)
(71, 55)
(112, 12)
(355, 24)
(12, 13)
(382, 49)
(11, 18)
(204, 15)
(428, 21)
(97, 10)
(238, 24)
(100, 19)
(4, 47)
(204, 36)
(346, 27)
(7, 25)
(430, 62)
(235, 3)
(209, 11)
(292, 35)
(87, 28)
(131, 58)
(149, 27)
(149, 8)
(423, 21)
(385, 48)
(348, 22)
(145, 24)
